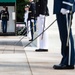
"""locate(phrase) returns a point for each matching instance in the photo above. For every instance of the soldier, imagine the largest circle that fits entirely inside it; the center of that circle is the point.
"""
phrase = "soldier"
(27, 24)
(31, 17)
(74, 11)
(62, 10)
(41, 12)
(4, 17)
(26, 14)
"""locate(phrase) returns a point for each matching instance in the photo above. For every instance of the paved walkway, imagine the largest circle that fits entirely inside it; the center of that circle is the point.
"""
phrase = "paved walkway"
(14, 59)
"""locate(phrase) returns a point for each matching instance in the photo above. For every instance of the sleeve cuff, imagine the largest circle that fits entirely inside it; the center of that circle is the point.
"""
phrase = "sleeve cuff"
(67, 5)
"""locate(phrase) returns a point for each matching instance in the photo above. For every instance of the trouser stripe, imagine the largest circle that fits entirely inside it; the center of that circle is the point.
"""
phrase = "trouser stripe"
(68, 20)
(69, 59)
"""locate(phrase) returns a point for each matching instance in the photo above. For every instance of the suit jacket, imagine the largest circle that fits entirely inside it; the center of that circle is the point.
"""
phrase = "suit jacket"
(58, 4)
(41, 7)
(4, 15)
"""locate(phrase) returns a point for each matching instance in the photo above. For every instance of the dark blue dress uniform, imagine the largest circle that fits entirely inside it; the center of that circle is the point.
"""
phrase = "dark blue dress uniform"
(41, 7)
(67, 61)
(74, 6)
(4, 16)
(74, 11)
(31, 16)
(41, 13)
(31, 10)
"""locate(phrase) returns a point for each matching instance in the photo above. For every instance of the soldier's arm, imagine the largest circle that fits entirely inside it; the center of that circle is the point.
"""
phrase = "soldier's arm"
(68, 4)
(33, 9)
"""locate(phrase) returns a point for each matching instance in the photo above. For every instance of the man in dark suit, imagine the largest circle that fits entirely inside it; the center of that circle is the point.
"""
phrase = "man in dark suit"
(4, 16)
(62, 10)
(41, 13)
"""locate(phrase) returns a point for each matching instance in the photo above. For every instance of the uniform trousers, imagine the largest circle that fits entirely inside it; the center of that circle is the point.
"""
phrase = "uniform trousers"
(30, 29)
(67, 52)
(42, 41)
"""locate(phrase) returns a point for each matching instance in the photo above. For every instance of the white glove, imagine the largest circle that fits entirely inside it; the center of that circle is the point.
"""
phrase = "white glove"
(64, 11)
(32, 20)
(42, 16)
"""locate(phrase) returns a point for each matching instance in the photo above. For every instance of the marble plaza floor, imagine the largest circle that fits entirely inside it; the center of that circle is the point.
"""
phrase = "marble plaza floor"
(15, 59)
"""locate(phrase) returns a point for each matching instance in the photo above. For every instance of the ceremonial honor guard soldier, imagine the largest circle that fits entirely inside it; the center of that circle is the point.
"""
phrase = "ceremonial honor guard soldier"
(41, 13)
(63, 9)
(31, 17)
(74, 11)
(4, 16)
(26, 14)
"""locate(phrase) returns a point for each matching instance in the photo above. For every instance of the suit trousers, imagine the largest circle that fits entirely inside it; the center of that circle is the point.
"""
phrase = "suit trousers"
(4, 26)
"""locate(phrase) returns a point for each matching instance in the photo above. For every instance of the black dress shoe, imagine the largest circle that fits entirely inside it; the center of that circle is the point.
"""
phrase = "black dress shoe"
(63, 67)
(41, 50)
(31, 40)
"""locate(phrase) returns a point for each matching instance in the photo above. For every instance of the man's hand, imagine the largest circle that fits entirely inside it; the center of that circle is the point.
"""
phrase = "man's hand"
(64, 11)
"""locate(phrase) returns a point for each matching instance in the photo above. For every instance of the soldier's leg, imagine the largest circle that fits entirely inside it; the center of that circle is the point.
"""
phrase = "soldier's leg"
(39, 28)
(42, 39)
(44, 35)
(61, 20)
(35, 25)
(45, 40)
(71, 50)
(67, 61)
(32, 27)
(29, 31)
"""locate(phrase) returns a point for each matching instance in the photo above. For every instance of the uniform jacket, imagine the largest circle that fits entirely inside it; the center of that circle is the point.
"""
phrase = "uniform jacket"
(31, 14)
(4, 15)
(41, 7)
(74, 6)
(58, 4)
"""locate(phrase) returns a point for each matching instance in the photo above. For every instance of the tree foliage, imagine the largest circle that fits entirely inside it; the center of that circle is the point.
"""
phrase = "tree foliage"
(20, 4)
